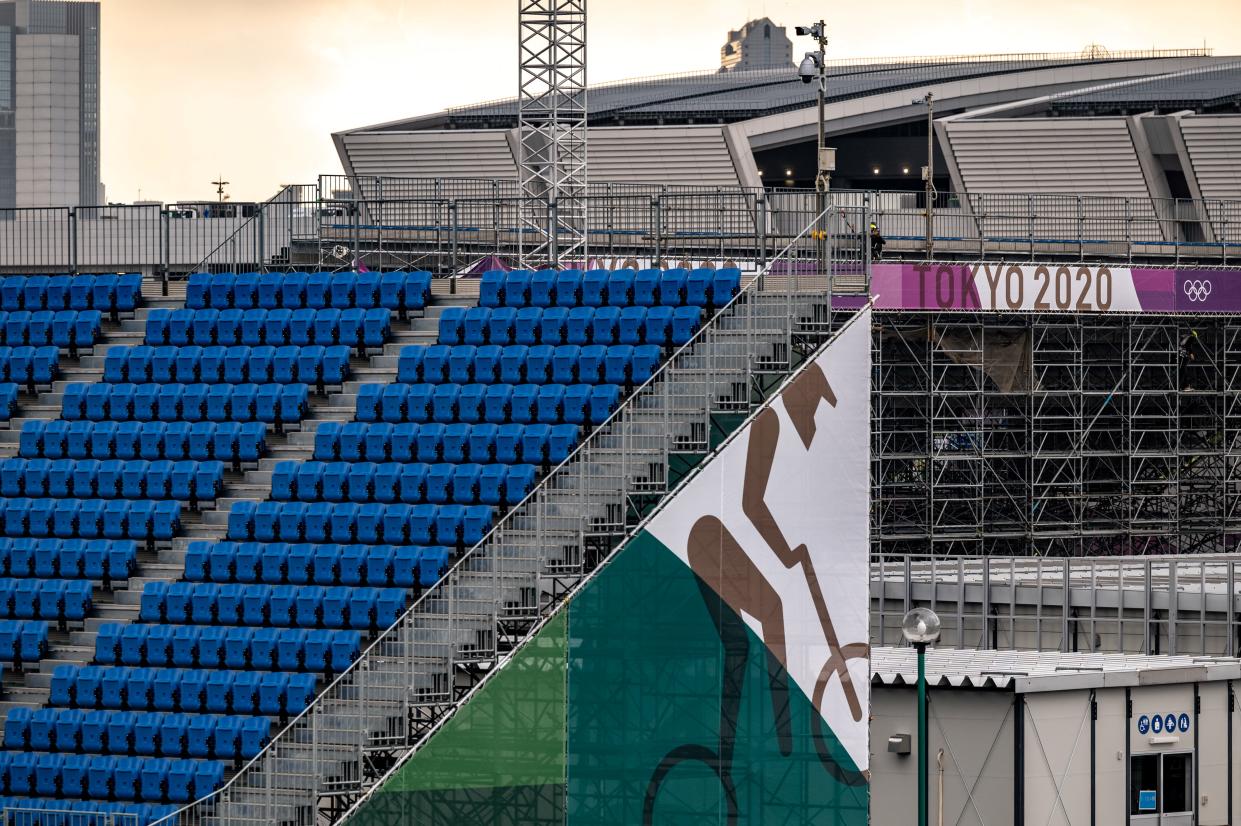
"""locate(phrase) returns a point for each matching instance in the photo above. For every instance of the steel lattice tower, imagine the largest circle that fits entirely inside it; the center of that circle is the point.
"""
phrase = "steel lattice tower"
(551, 119)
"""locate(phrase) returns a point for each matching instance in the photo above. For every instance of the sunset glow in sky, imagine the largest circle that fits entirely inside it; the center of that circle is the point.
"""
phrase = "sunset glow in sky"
(253, 89)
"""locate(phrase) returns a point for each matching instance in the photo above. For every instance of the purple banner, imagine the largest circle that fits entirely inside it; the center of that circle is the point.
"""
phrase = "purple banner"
(999, 287)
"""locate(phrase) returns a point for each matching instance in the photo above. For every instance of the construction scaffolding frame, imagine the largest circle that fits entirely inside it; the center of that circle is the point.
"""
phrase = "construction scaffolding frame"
(551, 130)
(1056, 435)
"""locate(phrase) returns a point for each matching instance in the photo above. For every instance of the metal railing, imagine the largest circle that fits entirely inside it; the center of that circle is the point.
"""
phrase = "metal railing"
(19, 816)
(408, 679)
(456, 225)
(1138, 605)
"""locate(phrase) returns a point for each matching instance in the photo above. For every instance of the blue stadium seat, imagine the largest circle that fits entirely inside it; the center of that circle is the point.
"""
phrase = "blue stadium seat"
(538, 368)
(568, 288)
(671, 291)
(657, 329)
(575, 405)
(724, 287)
(526, 326)
(542, 288)
(594, 288)
(451, 325)
(646, 287)
(630, 325)
(552, 326)
(620, 288)
(491, 289)
(517, 288)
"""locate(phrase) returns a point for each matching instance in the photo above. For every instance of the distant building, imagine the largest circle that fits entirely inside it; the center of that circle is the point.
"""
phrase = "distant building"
(760, 44)
(49, 103)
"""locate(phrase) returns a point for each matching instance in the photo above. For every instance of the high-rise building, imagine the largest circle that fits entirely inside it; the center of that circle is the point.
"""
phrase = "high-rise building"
(759, 44)
(49, 103)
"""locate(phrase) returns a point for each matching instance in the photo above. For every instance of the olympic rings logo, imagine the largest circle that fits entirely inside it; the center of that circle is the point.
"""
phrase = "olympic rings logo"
(1197, 290)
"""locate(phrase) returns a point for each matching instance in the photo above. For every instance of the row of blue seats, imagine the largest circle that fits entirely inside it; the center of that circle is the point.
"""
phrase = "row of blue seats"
(96, 559)
(186, 481)
(23, 641)
(37, 811)
(390, 482)
(281, 606)
(142, 734)
(29, 365)
(432, 442)
(398, 291)
(65, 328)
(347, 523)
(200, 441)
(213, 646)
(620, 288)
(277, 563)
(188, 690)
(227, 365)
(90, 518)
(494, 403)
(45, 599)
(662, 326)
(153, 780)
(353, 328)
(519, 364)
(268, 403)
(106, 293)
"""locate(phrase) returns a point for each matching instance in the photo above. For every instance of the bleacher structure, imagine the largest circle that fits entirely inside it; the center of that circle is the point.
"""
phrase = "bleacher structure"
(214, 502)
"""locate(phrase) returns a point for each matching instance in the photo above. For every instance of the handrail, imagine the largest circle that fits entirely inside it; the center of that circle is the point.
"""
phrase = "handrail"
(245, 225)
(543, 485)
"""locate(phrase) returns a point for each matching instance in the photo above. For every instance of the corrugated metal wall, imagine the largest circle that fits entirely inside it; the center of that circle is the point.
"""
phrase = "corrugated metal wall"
(480, 153)
(1214, 145)
(691, 155)
(1086, 156)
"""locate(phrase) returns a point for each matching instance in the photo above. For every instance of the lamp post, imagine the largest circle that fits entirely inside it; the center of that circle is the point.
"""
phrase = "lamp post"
(928, 174)
(921, 628)
(813, 67)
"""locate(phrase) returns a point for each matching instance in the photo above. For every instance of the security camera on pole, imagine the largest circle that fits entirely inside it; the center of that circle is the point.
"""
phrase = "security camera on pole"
(814, 65)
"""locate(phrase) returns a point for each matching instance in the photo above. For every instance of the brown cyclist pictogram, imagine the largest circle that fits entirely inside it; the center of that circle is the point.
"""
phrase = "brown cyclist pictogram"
(731, 583)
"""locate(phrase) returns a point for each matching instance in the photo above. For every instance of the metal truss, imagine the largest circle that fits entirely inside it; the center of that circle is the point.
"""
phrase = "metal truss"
(551, 125)
(1059, 435)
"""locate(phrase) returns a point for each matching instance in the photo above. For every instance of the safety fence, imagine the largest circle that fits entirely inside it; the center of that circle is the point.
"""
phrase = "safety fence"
(452, 226)
(157, 239)
(495, 595)
(1188, 605)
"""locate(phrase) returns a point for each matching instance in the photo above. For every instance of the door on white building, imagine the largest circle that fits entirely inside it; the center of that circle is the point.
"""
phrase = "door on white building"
(1161, 789)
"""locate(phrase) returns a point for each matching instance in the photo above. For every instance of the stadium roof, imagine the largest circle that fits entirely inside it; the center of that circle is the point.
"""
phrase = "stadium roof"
(995, 127)
(726, 97)
(1203, 90)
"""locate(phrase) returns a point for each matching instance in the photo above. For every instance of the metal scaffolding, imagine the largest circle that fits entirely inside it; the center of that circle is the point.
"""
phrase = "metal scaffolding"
(551, 125)
(1059, 435)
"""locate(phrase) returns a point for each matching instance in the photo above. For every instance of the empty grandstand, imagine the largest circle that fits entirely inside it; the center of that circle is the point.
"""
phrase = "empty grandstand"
(367, 503)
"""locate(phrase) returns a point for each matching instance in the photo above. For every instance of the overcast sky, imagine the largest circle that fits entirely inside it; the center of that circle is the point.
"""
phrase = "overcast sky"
(253, 89)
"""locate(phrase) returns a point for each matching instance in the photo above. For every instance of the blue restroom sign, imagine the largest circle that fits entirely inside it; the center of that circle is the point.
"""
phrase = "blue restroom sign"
(1182, 723)
(1169, 723)
(1144, 724)
(1157, 724)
